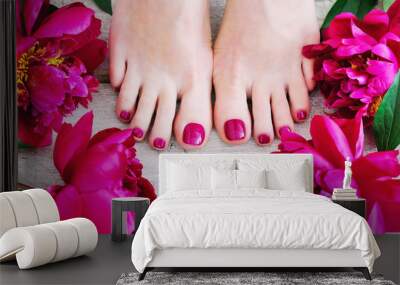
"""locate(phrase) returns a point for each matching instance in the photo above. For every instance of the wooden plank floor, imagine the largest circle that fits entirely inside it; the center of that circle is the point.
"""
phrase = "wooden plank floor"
(36, 166)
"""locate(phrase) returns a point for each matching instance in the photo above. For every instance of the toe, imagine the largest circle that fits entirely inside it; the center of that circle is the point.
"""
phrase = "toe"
(263, 131)
(127, 97)
(231, 115)
(194, 120)
(308, 72)
(144, 111)
(281, 111)
(299, 100)
(117, 62)
(161, 130)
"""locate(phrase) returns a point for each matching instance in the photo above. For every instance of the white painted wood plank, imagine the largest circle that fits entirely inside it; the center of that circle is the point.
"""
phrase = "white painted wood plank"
(36, 166)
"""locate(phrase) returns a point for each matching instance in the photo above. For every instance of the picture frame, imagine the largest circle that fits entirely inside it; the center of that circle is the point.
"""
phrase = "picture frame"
(8, 98)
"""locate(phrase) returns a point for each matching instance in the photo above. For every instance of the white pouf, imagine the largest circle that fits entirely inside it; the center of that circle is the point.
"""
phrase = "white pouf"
(37, 245)
(31, 233)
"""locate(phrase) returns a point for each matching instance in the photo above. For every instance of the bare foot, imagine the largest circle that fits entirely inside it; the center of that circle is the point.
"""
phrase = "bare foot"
(161, 51)
(258, 54)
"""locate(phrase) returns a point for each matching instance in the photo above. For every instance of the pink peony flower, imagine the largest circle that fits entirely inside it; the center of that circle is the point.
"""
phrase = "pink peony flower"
(54, 65)
(357, 61)
(374, 174)
(95, 170)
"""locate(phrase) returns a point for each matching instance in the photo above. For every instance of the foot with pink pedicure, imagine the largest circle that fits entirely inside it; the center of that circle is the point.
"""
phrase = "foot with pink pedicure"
(160, 51)
(257, 55)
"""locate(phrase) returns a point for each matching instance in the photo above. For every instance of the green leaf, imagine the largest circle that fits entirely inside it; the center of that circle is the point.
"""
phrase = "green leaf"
(104, 5)
(387, 119)
(358, 7)
(22, 145)
(387, 4)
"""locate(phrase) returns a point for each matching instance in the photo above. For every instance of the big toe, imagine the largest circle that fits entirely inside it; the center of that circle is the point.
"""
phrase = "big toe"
(194, 119)
(231, 115)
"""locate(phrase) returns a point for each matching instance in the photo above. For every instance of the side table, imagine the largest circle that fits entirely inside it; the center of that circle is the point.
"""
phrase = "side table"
(139, 205)
(355, 205)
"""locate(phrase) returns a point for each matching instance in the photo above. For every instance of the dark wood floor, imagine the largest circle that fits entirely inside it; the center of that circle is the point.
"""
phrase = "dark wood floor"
(103, 266)
(106, 264)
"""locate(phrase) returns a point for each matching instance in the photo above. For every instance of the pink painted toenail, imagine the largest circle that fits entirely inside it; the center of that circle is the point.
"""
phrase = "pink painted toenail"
(284, 129)
(138, 133)
(235, 130)
(124, 115)
(264, 139)
(301, 115)
(159, 143)
(193, 134)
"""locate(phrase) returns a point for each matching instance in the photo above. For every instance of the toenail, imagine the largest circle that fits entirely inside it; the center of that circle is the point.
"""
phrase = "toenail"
(284, 129)
(264, 139)
(193, 134)
(138, 133)
(301, 115)
(159, 143)
(235, 130)
(124, 115)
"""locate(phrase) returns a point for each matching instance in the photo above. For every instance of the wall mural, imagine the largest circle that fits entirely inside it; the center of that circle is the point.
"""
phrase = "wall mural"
(87, 158)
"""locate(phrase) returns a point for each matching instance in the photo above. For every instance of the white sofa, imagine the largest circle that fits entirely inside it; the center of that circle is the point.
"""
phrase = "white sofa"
(31, 231)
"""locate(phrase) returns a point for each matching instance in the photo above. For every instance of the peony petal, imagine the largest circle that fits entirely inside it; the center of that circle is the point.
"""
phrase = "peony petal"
(70, 142)
(384, 52)
(376, 220)
(334, 179)
(375, 23)
(360, 76)
(147, 189)
(390, 216)
(377, 164)
(72, 43)
(317, 50)
(331, 68)
(330, 141)
(103, 135)
(384, 73)
(394, 17)
(294, 143)
(77, 86)
(359, 93)
(46, 87)
(100, 167)
(340, 26)
(92, 54)
(72, 19)
(27, 134)
(386, 194)
(394, 45)
(68, 201)
(18, 17)
(352, 47)
(359, 34)
(354, 131)
(119, 137)
(32, 9)
(97, 208)
(23, 44)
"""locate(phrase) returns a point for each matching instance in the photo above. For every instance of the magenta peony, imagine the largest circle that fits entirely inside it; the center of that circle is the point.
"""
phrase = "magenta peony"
(95, 170)
(374, 174)
(357, 61)
(57, 51)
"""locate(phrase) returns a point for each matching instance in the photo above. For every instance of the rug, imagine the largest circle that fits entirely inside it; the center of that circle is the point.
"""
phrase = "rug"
(243, 278)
